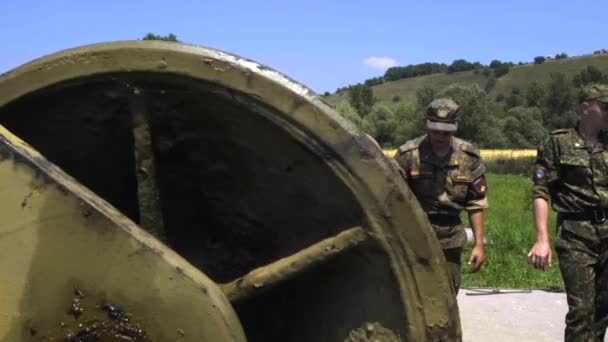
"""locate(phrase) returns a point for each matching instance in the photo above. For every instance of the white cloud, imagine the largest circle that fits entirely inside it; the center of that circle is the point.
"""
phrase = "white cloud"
(381, 63)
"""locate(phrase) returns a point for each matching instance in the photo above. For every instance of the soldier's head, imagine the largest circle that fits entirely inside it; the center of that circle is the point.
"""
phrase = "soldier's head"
(593, 100)
(441, 116)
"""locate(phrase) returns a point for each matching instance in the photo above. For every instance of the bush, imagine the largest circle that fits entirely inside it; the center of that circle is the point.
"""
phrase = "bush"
(539, 60)
(501, 70)
(490, 83)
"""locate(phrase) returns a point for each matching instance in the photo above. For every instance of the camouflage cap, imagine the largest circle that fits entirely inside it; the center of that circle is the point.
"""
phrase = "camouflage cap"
(442, 115)
(597, 92)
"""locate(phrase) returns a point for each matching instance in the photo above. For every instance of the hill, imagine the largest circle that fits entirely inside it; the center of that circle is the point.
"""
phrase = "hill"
(518, 77)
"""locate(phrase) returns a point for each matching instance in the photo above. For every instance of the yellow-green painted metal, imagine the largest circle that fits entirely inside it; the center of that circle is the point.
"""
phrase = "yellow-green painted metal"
(58, 238)
(392, 214)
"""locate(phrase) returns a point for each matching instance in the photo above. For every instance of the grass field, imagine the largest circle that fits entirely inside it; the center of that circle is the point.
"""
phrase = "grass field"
(509, 235)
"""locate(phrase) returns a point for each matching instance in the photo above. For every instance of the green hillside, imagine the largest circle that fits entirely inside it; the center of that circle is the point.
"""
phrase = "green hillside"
(521, 75)
(518, 77)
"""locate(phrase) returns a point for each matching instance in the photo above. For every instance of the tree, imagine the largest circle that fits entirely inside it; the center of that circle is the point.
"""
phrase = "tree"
(490, 83)
(561, 55)
(501, 70)
(374, 81)
(413, 70)
(588, 75)
(361, 97)
(539, 60)
(409, 123)
(170, 38)
(495, 64)
(348, 112)
(559, 103)
(523, 127)
(424, 96)
(380, 123)
(460, 65)
(513, 101)
(535, 94)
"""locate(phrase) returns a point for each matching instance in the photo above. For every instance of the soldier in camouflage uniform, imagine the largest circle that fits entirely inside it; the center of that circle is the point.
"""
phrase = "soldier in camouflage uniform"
(571, 170)
(447, 176)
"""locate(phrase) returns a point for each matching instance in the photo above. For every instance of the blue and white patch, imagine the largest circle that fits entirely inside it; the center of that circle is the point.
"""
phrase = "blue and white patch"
(540, 173)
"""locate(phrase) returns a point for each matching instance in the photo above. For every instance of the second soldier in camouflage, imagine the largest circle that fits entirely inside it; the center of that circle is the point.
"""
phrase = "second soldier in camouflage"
(571, 171)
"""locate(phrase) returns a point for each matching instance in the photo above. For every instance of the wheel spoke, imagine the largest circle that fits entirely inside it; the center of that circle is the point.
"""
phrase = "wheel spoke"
(282, 269)
(150, 213)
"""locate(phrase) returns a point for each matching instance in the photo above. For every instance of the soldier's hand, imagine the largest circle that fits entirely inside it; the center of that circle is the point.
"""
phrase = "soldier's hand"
(477, 258)
(540, 255)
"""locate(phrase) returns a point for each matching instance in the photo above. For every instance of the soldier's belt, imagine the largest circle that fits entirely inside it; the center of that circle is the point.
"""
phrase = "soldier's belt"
(594, 215)
(444, 219)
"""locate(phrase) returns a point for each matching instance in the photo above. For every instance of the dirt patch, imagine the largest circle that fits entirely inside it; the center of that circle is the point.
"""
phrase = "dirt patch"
(99, 322)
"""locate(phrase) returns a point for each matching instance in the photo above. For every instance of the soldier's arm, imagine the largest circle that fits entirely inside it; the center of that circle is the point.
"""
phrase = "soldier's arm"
(476, 202)
(545, 175)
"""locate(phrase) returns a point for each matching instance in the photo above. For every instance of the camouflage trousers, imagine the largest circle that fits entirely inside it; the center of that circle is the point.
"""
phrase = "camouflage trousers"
(452, 258)
(583, 262)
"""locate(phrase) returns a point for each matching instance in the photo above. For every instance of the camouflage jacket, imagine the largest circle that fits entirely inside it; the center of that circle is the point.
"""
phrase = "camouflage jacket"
(445, 186)
(571, 173)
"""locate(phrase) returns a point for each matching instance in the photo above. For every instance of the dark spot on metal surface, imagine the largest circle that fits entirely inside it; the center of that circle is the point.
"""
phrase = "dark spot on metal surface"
(423, 261)
(78, 292)
(61, 188)
(85, 210)
(33, 331)
(179, 270)
(24, 202)
(162, 64)
(296, 104)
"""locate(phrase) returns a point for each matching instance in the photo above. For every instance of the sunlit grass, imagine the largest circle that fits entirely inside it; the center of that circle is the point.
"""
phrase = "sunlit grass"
(510, 234)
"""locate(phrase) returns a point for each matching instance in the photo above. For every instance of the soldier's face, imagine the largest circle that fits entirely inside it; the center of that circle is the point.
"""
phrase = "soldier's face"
(597, 112)
(440, 138)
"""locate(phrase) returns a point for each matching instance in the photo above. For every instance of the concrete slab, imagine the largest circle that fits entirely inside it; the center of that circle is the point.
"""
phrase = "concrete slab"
(506, 317)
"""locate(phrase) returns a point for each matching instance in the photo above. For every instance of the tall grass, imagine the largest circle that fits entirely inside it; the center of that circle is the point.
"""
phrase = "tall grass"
(510, 234)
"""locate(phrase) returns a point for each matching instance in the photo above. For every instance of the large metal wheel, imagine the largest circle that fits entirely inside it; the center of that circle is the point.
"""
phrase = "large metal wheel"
(307, 228)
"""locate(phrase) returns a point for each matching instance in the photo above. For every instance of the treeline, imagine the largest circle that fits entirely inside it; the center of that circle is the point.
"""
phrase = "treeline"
(518, 120)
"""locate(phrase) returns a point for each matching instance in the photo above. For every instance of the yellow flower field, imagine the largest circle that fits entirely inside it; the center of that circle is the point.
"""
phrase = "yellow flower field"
(490, 154)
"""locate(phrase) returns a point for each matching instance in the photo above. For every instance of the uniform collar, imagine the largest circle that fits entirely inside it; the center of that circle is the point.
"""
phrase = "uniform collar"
(427, 155)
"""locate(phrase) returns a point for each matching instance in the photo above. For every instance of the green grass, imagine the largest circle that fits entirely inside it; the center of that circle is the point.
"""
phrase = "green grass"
(509, 235)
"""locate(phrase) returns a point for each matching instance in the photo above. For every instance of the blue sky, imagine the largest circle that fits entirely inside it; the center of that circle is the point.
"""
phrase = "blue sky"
(322, 44)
